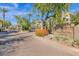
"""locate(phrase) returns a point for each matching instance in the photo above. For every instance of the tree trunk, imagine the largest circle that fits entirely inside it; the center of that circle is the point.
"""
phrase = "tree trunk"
(4, 20)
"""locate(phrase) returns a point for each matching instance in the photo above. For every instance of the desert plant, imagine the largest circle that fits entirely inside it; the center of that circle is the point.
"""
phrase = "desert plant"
(61, 38)
(57, 38)
(41, 32)
(76, 43)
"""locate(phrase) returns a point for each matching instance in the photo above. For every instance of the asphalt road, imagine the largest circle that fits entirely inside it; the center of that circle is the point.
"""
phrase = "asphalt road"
(35, 46)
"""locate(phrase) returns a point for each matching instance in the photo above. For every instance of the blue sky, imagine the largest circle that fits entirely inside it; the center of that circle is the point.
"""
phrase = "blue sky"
(24, 9)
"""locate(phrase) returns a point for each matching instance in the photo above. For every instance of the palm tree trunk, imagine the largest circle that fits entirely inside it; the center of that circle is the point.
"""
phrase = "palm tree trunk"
(4, 20)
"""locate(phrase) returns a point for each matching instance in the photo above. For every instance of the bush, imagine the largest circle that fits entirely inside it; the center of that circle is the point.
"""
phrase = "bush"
(41, 32)
(76, 43)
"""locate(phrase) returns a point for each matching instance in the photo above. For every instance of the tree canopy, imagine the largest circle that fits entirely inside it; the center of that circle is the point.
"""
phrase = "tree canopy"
(53, 10)
(22, 22)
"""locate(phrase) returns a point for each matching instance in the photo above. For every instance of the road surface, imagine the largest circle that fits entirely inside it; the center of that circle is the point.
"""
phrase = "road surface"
(35, 46)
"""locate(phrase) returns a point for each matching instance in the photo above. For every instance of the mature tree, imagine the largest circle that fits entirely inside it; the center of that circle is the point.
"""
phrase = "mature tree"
(75, 18)
(7, 24)
(75, 22)
(44, 10)
(4, 11)
(23, 22)
(48, 10)
(1, 22)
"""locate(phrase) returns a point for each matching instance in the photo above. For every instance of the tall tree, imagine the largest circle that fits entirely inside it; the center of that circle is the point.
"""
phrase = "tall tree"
(7, 24)
(1, 22)
(29, 15)
(75, 18)
(44, 10)
(23, 22)
(4, 11)
(48, 10)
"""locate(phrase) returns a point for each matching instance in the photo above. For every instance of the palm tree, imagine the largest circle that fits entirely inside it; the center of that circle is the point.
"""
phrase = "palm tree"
(1, 21)
(7, 24)
(30, 16)
(22, 22)
(4, 10)
(18, 19)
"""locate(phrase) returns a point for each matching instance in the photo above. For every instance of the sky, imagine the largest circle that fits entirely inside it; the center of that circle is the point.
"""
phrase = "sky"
(24, 9)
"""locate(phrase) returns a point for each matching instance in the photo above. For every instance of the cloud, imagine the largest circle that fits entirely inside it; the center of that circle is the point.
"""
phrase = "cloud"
(13, 10)
(16, 12)
(10, 15)
(7, 7)
(15, 5)
(11, 6)
(74, 10)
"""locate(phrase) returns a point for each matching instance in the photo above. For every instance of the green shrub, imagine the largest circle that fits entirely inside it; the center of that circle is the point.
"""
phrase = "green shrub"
(57, 38)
